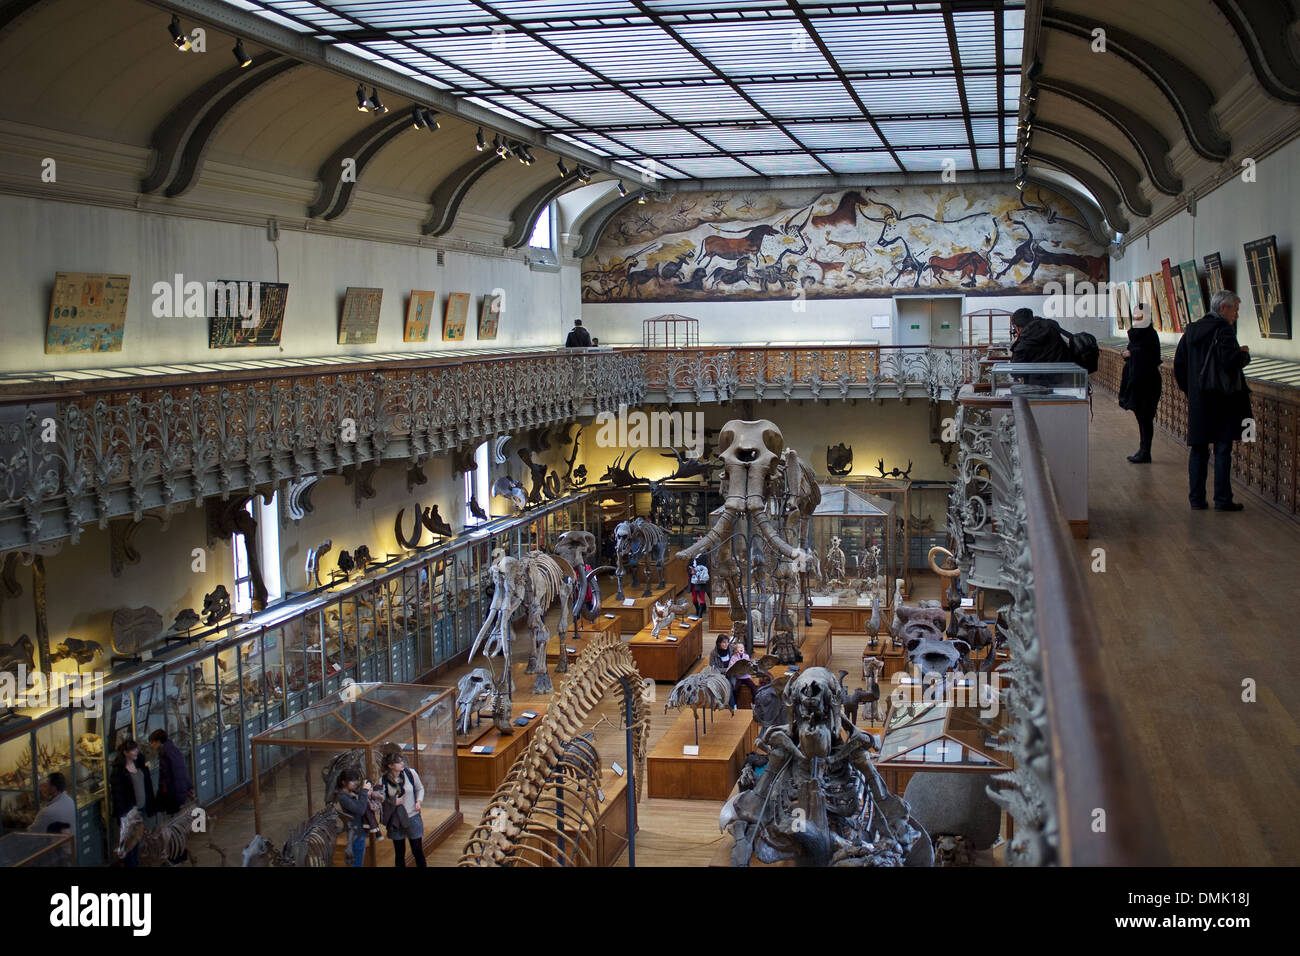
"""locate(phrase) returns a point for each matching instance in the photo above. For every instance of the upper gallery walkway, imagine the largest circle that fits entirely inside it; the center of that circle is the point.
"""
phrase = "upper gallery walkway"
(1199, 616)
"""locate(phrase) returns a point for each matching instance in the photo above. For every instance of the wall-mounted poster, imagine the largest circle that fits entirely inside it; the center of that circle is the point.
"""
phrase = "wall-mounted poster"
(1266, 287)
(1159, 302)
(1214, 273)
(489, 315)
(1180, 296)
(1123, 316)
(1192, 290)
(360, 322)
(1177, 314)
(453, 324)
(87, 313)
(232, 320)
(419, 313)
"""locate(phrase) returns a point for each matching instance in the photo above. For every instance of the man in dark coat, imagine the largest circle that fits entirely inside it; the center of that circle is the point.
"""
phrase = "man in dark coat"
(1140, 385)
(579, 338)
(1037, 339)
(1213, 415)
(174, 784)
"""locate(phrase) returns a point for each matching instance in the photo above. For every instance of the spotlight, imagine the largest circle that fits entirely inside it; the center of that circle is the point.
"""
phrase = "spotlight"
(241, 57)
(376, 105)
(584, 174)
(362, 105)
(501, 147)
(179, 39)
(431, 119)
(559, 164)
(529, 158)
(622, 190)
(1035, 69)
(1020, 183)
(417, 118)
(641, 198)
(481, 143)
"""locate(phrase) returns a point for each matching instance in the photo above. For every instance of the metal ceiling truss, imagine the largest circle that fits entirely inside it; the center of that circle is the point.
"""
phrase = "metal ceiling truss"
(181, 141)
(1189, 95)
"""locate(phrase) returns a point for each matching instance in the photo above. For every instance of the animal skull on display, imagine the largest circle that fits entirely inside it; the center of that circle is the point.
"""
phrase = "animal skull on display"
(751, 455)
(815, 699)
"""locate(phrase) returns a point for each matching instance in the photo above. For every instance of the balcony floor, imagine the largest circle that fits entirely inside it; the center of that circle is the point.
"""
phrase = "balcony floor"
(1193, 603)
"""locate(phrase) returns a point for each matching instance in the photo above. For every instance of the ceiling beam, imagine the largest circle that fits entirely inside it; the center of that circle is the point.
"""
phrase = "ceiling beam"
(1124, 173)
(1105, 195)
(181, 141)
(1149, 142)
(1264, 28)
(451, 192)
(950, 25)
(1188, 94)
(336, 187)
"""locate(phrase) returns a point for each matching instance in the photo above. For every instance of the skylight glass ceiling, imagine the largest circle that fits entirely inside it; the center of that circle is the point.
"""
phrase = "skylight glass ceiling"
(712, 88)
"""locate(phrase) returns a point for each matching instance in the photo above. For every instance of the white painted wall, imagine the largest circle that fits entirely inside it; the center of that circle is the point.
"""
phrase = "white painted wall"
(41, 238)
(1234, 214)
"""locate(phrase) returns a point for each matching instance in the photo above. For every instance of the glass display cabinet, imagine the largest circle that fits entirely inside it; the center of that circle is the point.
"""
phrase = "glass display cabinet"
(36, 849)
(955, 727)
(856, 538)
(296, 763)
(1058, 380)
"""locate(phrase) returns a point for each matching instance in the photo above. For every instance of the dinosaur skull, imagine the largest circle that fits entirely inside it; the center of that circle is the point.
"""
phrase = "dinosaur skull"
(815, 698)
(751, 452)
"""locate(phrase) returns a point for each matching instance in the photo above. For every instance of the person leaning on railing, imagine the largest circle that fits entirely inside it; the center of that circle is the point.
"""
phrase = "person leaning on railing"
(1037, 339)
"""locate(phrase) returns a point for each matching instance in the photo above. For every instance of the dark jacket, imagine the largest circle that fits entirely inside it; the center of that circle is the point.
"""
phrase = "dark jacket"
(174, 784)
(123, 791)
(579, 338)
(1212, 416)
(354, 807)
(1041, 341)
(1140, 385)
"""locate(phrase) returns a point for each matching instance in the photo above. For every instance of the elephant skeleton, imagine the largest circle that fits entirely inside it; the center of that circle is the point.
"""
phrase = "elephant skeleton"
(639, 537)
(583, 595)
(777, 493)
(532, 582)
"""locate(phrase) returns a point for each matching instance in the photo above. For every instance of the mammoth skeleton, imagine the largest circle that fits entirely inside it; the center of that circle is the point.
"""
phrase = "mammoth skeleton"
(639, 538)
(583, 595)
(776, 493)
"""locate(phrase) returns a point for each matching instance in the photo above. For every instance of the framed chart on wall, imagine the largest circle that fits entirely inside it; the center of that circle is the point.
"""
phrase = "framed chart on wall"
(419, 312)
(1213, 273)
(1192, 290)
(232, 323)
(87, 313)
(1266, 287)
(489, 314)
(360, 322)
(1174, 296)
(453, 323)
(1160, 303)
(1123, 316)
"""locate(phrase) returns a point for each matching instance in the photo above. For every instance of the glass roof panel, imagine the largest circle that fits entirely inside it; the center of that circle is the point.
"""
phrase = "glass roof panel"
(708, 103)
(988, 158)
(658, 55)
(977, 43)
(411, 14)
(558, 9)
(982, 92)
(704, 168)
(985, 129)
(916, 41)
(833, 135)
(599, 108)
(932, 159)
(879, 162)
(508, 58)
(1013, 37)
(757, 48)
(758, 136)
(792, 165)
(820, 98)
(930, 132)
(901, 94)
(658, 142)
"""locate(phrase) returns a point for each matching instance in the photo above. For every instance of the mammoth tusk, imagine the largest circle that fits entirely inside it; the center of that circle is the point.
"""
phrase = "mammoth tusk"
(943, 572)
(414, 540)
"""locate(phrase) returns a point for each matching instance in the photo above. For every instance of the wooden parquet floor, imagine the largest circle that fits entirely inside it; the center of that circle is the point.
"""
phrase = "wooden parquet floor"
(1191, 606)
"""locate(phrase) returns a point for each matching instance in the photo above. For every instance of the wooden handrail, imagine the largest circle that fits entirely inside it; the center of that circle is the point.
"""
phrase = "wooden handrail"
(1091, 763)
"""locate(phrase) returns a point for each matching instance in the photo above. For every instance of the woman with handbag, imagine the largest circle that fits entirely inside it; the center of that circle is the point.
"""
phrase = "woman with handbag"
(1139, 388)
(403, 793)
(699, 571)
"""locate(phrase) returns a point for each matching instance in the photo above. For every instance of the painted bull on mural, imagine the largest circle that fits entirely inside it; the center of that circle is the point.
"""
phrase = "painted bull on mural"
(787, 236)
(976, 233)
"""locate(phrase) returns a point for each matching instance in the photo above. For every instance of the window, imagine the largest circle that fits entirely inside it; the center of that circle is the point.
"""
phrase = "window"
(476, 486)
(268, 543)
(543, 236)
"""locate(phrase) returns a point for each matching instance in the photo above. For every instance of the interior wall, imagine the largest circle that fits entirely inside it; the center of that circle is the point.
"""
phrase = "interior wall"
(42, 238)
(1234, 214)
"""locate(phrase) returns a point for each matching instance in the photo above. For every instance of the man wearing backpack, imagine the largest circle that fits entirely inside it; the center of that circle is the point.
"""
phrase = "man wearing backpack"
(1037, 339)
(1208, 368)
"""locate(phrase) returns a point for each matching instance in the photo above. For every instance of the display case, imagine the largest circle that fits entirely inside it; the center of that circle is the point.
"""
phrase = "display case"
(927, 522)
(36, 849)
(856, 537)
(1059, 380)
(304, 754)
(949, 727)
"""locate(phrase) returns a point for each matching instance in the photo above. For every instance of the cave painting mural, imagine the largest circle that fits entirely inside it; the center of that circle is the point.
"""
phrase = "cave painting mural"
(979, 240)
